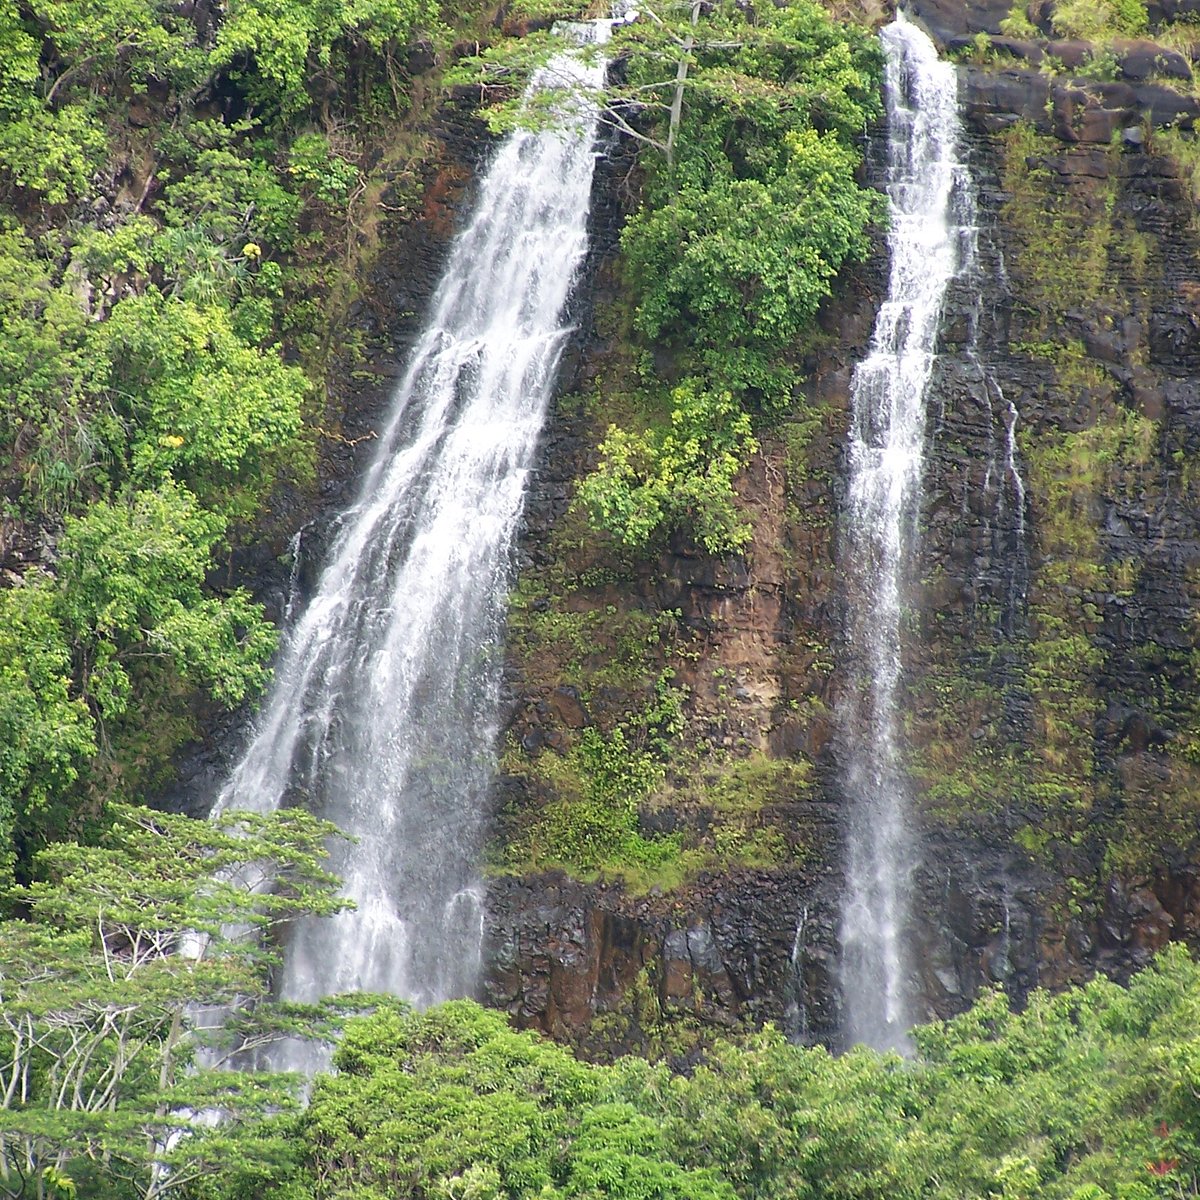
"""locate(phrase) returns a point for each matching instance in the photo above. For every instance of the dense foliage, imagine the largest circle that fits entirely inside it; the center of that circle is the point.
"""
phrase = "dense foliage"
(1087, 1095)
(112, 1062)
(111, 1074)
(169, 185)
(746, 217)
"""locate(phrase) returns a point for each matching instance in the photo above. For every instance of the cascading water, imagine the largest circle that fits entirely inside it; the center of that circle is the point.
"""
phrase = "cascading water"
(382, 717)
(931, 236)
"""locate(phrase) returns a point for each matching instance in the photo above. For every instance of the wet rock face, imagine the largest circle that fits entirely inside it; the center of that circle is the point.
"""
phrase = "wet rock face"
(1011, 890)
(1019, 885)
(950, 19)
(592, 964)
(563, 954)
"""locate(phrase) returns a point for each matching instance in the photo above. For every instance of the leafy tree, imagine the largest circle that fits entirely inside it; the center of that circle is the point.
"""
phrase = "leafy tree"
(291, 41)
(101, 1075)
(52, 153)
(744, 263)
(650, 482)
(229, 200)
(130, 576)
(127, 601)
(18, 60)
(44, 369)
(201, 404)
(452, 1103)
(46, 730)
(112, 40)
(1089, 1095)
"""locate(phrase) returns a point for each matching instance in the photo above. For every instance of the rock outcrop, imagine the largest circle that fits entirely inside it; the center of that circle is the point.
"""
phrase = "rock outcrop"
(1052, 701)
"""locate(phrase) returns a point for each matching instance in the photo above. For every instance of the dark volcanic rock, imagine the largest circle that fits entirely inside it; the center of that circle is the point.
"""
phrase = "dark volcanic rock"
(562, 953)
(948, 19)
(1140, 61)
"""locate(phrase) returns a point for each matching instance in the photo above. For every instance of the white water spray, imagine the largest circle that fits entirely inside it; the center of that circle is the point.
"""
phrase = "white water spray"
(931, 237)
(383, 713)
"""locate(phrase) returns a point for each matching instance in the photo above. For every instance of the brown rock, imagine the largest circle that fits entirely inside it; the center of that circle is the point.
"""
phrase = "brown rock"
(1072, 54)
(1165, 106)
(567, 707)
(1078, 118)
(1152, 924)
(1143, 60)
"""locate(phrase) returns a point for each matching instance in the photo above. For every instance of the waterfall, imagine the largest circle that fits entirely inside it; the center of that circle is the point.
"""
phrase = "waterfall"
(930, 238)
(383, 713)
(795, 1010)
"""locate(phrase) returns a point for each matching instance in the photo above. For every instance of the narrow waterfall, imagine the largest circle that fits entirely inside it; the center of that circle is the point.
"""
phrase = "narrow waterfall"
(383, 713)
(930, 237)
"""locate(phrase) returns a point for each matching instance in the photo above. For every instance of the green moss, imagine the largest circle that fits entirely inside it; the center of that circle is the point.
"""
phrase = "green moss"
(1064, 238)
(590, 823)
(961, 754)
(585, 803)
(1099, 20)
(1068, 472)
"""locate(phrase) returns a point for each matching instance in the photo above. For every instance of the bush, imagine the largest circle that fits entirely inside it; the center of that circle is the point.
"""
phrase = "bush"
(649, 483)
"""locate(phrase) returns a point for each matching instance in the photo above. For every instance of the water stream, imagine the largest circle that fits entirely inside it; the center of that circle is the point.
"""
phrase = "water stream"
(931, 239)
(382, 717)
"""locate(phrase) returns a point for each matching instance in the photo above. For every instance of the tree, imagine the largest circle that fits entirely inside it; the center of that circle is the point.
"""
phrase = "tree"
(126, 612)
(454, 1104)
(130, 587)
(103, 984)
(749, 120)
(204, 407)
(290, 42)
(46, 731)
(650, 482)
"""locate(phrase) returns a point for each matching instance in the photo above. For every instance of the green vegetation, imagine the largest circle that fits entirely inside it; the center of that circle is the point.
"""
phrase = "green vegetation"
(106, 1072)
(1010, 729)
(598, 784)
(1123, 819)
(181, 195)
(743, 225)
(750, 122)
(1067, 471)
(683, 474)
(1099, 20)
(124, 617)
(621, 770)
(1065, 238)
(1085, 1096)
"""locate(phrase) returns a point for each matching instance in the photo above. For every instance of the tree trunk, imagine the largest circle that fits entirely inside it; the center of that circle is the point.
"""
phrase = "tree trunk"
(680, 79)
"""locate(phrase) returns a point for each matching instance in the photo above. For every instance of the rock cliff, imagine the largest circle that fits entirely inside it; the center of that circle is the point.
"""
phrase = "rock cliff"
(1050, 679)
(1053, 711)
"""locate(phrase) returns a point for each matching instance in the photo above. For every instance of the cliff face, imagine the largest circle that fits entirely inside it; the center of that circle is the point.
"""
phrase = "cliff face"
(1050, 689)
(1050, 684)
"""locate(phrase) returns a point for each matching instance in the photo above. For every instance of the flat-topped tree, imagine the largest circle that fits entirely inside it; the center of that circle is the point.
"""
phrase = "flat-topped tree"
(108, 1070)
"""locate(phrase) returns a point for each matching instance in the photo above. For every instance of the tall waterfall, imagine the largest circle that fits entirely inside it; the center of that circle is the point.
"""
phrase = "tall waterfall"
(930, 237)
(383, 713)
